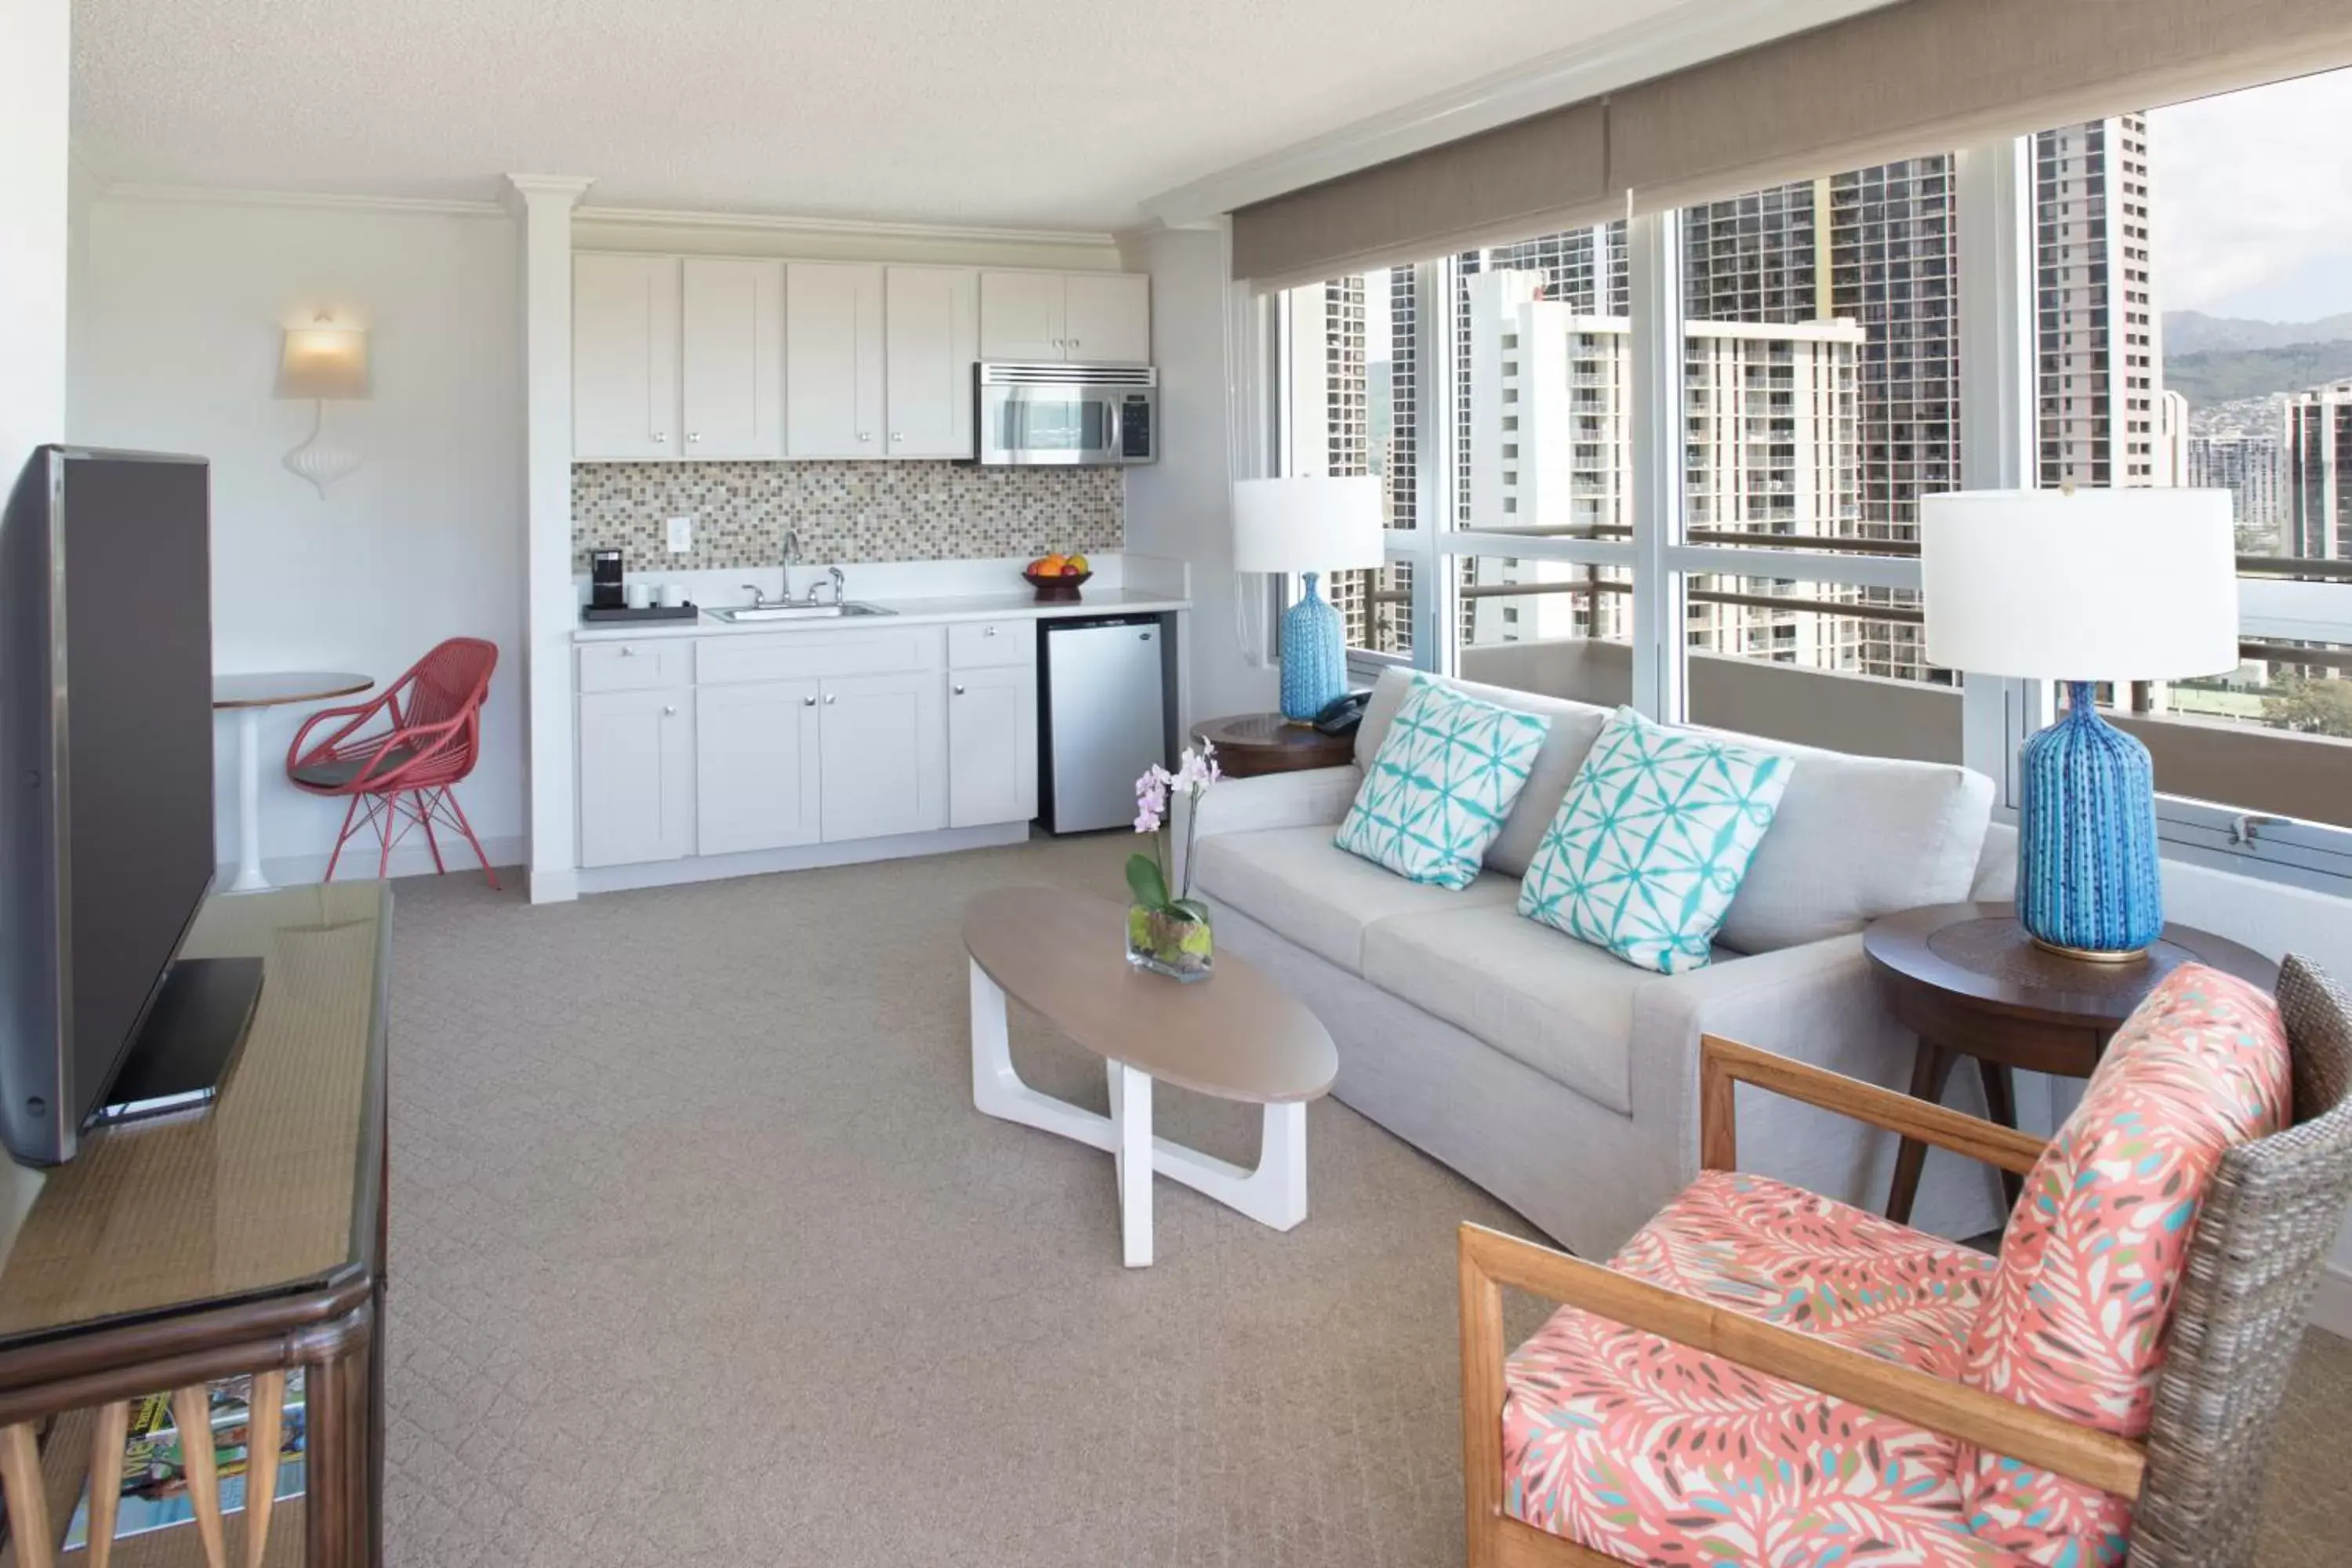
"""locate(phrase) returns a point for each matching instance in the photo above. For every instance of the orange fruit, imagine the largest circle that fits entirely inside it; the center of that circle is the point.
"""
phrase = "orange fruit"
(1052, 565)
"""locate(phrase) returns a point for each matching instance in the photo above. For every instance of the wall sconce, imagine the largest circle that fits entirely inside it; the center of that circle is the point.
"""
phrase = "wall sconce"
(320, 361)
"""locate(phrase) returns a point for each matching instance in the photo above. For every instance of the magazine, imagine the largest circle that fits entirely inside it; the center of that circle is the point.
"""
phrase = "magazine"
(155, 1480)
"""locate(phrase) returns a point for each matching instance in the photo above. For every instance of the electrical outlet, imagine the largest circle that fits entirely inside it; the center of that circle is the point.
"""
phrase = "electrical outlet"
(682, 535)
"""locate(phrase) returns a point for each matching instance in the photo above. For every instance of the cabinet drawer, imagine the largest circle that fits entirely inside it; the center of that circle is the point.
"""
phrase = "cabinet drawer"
(803, 656)
(983, 644)
(635, 667)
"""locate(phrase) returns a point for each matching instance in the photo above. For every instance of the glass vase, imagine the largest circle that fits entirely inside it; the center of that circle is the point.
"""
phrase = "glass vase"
(1170, 942)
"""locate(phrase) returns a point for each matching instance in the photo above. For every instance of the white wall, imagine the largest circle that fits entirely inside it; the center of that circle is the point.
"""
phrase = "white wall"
(1181, 508)
(35, 72)
(178, 311)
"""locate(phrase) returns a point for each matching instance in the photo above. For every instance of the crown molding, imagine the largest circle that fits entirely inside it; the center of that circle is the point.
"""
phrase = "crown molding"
(1683, 35)
(783, 224)
(212, 196)
(523, 191)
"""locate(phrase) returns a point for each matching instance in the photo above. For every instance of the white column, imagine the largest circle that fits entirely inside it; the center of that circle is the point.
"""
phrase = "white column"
(550, 611)
(1998, 432)
(1654, 262)
(35, 72)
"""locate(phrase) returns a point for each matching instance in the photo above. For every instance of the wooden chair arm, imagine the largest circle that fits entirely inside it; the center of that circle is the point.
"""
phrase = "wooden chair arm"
(1490, 1260)
(1723, 1063)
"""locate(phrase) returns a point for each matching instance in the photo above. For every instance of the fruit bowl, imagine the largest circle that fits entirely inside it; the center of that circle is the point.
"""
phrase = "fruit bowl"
(1059, 588)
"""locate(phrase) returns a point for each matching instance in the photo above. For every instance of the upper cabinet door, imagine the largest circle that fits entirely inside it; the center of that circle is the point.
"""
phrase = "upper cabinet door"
(932, 329)
(732, 352)
(1106, 318)
(625, 318)
(1021, 316)
(833, 361)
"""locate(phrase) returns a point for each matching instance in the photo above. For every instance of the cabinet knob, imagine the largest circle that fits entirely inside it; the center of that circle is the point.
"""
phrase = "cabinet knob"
(988, 631)
(865, 435)
(895, 437)
(828, 699)
(694, 435)
(660, 436)
(959, 691)
(808, 701)
(627, 652)
(669, 709)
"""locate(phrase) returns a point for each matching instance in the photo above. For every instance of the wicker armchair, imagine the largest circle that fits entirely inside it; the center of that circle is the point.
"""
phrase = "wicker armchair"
(2267, 1224)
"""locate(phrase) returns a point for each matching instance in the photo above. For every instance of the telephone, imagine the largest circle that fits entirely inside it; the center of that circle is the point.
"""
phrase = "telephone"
(1341, 717)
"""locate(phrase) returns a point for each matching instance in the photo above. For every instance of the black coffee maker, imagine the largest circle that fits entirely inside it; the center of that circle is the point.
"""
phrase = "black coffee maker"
(605, 591)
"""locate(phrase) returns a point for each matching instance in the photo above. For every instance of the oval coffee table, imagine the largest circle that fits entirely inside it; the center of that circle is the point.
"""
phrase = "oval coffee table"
(1234, 1037)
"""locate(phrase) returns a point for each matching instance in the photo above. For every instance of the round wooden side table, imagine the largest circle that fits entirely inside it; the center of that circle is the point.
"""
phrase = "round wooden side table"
(1251, 744)
(1968, 981)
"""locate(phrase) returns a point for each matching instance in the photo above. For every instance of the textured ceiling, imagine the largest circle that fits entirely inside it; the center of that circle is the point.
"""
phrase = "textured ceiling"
(1047, 113)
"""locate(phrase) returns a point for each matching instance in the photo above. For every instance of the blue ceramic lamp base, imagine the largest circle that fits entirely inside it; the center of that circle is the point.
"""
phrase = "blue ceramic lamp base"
(1314, 656)
(2088, 874)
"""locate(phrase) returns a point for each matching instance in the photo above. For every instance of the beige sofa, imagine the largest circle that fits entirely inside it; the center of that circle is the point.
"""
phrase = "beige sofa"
(1551, 1073)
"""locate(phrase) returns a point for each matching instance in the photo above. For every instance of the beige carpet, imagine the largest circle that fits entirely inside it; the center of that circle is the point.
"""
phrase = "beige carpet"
(701, 1256)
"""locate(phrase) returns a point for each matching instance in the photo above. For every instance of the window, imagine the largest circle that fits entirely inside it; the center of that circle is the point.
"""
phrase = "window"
(1738, 544)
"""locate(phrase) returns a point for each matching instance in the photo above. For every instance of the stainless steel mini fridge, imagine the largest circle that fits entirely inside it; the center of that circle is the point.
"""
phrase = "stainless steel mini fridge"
(1108, 710)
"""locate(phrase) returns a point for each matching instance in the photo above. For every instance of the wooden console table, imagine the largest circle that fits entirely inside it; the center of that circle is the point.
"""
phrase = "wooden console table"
(246, 1239)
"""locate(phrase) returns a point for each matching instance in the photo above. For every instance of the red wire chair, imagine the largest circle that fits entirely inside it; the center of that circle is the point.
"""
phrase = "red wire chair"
(401, 775)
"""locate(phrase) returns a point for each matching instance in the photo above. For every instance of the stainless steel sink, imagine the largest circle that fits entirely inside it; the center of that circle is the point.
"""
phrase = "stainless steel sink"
(744, 612)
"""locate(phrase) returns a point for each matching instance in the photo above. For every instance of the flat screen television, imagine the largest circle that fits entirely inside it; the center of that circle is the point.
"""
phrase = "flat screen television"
(106, 793)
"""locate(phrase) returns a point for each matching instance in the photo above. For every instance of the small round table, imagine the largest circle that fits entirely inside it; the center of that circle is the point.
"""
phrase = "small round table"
(1968, 981)
(1251, 744)
(246, 696)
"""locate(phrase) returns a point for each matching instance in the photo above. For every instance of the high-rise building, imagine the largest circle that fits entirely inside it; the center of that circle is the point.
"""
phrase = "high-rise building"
(2100, 336)
(2319, 473)
(1771, 449)
(2249, 468)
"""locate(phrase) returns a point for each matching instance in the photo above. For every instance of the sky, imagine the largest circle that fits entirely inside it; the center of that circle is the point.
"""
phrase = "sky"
(2252, 201)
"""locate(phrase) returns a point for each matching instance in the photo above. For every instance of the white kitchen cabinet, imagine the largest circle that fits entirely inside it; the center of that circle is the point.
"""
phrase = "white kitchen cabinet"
(883, 743)
(624, 366)
(992, 745)
(1101, 317)
(756, 772)
(636, 776)
(1106, 318)
(730, 352)
(833, 361)
(931, 334)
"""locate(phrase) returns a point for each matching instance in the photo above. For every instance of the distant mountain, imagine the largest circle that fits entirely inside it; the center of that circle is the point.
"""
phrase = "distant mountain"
(2193, 332)
(2225, 375)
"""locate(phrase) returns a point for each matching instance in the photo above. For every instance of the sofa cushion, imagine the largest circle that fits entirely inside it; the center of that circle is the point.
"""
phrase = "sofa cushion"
(1295, 882)
(1653, 840)
(2075, 1322)
(1855, 838)
(1651, 1452)
(1441, 785)
(1543, 999)
(1574, 727)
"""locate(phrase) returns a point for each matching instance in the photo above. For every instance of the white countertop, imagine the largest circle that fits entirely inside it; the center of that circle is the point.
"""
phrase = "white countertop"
(1021, 603)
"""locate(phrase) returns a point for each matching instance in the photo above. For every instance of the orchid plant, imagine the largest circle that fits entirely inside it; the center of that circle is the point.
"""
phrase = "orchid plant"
(1148, 874)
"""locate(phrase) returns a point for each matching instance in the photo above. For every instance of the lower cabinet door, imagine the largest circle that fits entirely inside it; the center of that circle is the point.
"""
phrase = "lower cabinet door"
(636, 776)
(885, 764)
(755, 754)
(992, 746)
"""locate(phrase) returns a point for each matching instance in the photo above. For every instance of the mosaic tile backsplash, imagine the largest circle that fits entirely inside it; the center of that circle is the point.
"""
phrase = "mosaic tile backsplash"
(844, 511)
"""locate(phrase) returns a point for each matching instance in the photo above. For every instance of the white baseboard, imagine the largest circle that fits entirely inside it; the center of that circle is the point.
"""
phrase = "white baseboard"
(2331, 1304)
(553, 884)
(413, 859)
(758, 862)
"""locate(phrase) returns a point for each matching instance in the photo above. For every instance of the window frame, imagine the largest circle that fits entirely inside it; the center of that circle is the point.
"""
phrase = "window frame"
(1998, 414)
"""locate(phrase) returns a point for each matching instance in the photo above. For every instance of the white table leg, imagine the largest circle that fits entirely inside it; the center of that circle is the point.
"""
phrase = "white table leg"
(1136, 1157)
(250, 878)
(1274, 1195)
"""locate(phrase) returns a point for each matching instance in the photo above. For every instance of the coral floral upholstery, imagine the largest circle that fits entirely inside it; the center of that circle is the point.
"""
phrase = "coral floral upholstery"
(2075, 1320)
(1651, 1452)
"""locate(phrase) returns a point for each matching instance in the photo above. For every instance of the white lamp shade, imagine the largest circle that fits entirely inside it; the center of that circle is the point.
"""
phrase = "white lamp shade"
(2130, 585)
(1306, 524)
(323, 362)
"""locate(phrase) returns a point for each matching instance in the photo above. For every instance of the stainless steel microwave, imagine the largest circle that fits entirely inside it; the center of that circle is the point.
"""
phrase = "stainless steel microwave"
(1069, 414)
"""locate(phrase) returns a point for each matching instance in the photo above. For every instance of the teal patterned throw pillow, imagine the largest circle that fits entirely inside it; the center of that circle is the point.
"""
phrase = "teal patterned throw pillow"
(1652, 841)
(1441, 785)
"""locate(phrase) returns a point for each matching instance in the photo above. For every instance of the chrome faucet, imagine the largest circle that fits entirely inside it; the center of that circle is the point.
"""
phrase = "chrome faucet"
(759, 595)
(840, 586)
(791, 559)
